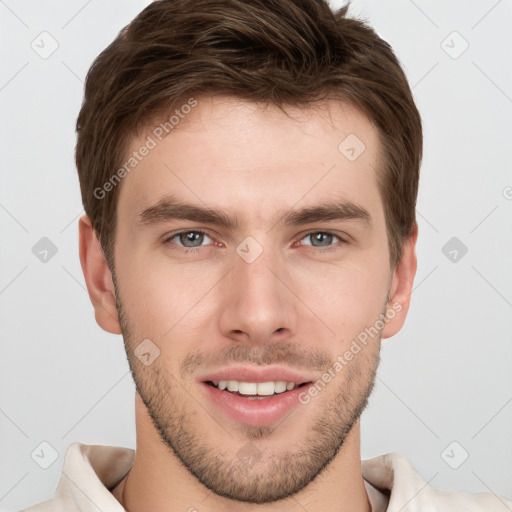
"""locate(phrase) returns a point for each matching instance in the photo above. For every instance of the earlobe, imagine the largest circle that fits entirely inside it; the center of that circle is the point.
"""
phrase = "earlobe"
(98, 278)
(401, 287)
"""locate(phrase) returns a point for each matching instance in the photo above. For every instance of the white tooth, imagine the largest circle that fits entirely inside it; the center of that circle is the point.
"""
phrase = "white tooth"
(232, 385)
(280, 386)
(247, 388)
(290, 385)
(223, 384)
(215, 383)
(266, 388)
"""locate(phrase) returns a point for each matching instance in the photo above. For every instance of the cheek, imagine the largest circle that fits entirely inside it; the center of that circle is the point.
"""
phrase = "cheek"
(160, 296)
(347, 298)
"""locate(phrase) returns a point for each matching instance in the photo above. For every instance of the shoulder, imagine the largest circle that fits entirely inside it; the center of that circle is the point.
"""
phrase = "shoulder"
(88, 470)
(396, 477)
(443, 501)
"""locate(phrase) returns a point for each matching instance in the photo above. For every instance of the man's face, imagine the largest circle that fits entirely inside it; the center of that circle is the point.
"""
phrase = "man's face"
(275, 297)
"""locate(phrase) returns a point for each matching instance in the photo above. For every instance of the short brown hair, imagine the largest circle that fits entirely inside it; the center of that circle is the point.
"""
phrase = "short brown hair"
(280, 52)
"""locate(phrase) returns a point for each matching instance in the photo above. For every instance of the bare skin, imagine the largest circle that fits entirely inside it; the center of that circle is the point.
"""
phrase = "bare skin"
(296, 307)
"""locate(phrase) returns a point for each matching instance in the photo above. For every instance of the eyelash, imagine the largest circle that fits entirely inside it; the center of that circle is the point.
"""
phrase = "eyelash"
(168, 240)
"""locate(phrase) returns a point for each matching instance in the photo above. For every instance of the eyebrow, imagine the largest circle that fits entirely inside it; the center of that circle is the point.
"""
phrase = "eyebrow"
(171, 209)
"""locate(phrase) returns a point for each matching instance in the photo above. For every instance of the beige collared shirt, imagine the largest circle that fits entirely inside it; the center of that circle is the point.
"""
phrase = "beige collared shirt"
(90, 472)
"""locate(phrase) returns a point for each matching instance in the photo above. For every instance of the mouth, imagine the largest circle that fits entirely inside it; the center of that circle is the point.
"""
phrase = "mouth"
(254, 396)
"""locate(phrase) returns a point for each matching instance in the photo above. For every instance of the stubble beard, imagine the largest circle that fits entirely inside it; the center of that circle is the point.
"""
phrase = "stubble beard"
(252, 474)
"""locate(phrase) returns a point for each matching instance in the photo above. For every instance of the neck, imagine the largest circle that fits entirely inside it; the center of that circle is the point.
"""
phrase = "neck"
(159, 482)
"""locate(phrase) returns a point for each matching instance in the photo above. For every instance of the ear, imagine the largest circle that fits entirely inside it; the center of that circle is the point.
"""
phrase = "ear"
(98, 278)
(401, 287)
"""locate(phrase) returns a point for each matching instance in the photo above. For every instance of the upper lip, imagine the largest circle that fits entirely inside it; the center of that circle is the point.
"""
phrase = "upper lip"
(258, 374)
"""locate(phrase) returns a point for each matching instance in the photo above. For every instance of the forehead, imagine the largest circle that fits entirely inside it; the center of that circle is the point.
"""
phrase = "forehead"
(252, 160)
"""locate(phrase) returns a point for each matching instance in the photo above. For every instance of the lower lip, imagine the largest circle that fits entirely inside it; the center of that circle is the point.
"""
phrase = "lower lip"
(255, 412)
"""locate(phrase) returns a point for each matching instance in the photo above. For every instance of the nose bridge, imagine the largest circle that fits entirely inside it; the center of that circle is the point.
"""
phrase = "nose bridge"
(257, 304)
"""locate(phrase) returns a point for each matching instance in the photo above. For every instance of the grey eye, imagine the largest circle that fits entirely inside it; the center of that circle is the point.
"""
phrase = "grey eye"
(190, 238)
(320, 239)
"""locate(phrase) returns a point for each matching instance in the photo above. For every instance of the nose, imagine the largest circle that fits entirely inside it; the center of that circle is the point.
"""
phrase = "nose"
(257, 303)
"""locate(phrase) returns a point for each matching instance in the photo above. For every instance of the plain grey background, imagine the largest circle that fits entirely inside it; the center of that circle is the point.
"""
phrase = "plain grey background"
(444, 388)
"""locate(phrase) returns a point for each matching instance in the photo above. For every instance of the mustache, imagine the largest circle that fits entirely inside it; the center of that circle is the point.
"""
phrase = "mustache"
(272, 353)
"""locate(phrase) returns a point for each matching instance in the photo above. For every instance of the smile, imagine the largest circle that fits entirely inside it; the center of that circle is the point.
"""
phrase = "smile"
(255, 388)
(254, 396)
